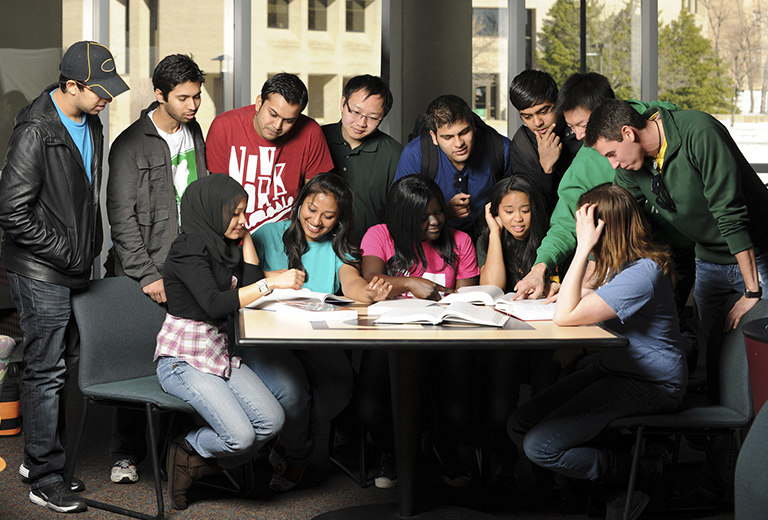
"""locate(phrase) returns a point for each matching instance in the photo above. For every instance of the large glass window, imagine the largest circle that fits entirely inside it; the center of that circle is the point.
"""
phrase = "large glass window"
(277, 14)
(485, 21)
(318, 15)
(490, 36)
(323, 60)
(29, 59)
(713, 57)
(154, 30)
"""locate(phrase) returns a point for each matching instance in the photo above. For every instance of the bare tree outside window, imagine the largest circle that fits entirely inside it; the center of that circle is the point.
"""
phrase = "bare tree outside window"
(485, 21)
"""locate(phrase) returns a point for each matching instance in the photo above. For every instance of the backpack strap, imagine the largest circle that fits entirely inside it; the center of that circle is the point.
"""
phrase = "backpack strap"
(495, 147)
(429, 156)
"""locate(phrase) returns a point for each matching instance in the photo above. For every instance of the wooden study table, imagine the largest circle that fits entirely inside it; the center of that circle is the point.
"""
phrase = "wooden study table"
(265, 329)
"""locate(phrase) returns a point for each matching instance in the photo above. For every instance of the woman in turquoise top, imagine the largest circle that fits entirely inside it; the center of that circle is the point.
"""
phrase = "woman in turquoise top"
(312, 386)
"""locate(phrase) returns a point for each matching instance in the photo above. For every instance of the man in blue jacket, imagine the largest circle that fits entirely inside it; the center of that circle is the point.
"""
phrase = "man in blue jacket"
(470, 157)
(49, 213)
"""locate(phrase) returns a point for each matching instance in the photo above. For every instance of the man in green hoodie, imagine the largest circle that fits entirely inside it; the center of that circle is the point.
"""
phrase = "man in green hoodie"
(688, 167)
(579, 96)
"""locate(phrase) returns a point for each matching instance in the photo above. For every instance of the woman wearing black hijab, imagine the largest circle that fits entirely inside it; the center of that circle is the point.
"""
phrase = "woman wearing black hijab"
(207, 278)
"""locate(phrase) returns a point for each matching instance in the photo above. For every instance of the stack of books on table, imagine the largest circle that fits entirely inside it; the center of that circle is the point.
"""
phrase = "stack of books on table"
(465, 305)
(525, 310)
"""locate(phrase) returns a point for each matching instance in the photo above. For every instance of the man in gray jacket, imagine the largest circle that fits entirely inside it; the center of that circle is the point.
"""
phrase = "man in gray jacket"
(49, 213)
(151, 163)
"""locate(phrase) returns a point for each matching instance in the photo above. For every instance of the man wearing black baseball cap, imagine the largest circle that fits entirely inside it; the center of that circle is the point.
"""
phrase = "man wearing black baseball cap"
(49, 212)
(91, 65)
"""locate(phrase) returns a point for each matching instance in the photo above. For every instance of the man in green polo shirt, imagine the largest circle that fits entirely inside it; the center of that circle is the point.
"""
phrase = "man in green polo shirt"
(362, 154)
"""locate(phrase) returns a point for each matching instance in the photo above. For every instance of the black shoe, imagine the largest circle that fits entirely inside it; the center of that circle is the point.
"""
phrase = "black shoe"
(76, 486)
(614, 508)
(57, 497)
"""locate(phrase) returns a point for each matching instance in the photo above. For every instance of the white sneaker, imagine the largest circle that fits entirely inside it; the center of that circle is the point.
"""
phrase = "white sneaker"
(124, 472)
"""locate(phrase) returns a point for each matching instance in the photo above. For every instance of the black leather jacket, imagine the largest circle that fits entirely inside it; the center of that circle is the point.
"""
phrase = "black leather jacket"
(49, 212)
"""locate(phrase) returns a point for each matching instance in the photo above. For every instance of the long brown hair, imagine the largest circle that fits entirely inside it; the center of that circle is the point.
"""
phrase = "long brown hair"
(625, 237)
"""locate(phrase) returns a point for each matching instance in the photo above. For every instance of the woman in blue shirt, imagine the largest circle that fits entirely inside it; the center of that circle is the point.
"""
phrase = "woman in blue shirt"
(629, 288)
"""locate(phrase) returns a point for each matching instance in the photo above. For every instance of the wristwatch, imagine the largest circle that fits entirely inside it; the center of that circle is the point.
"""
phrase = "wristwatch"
(263, 287)
(754, 294)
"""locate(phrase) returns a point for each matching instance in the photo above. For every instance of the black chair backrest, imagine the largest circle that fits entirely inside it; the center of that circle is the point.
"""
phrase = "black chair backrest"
(118, 327)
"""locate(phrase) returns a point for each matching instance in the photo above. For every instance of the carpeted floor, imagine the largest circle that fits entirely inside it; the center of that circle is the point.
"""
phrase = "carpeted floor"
(325, 488)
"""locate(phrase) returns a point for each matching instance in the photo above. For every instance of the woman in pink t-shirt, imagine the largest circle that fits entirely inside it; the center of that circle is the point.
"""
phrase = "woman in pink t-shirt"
(421, 257)
(414, 250)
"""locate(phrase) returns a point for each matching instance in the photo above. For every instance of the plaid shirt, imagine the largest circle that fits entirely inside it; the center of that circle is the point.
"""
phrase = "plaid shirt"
(200, 344)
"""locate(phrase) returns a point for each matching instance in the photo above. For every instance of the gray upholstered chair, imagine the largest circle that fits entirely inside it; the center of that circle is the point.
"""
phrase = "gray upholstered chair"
(696, 417)
(118, 326)
(751, 480)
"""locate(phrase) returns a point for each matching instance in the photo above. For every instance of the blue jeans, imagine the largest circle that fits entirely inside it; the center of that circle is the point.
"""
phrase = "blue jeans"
(313, 386)
(240, 411)
(559, 423)
(50, 351)
(715, 284)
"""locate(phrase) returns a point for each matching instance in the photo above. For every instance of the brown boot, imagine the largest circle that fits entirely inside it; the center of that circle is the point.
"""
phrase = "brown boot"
(179, 479)
(184, 467)
(200, 467)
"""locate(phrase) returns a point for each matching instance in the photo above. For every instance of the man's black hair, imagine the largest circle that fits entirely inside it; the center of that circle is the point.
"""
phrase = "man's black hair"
(372, 86)
(63, 83)
(609, 118)
(173, 70)
(532, 87)
(447, 110)
(585, 90)
(290, 86)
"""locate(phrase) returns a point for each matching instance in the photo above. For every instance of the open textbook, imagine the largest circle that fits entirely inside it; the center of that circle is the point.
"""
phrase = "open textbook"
(302, 294)
(413, 304)
(457, 312)
(311, 310)
(526, 310)
(484, 294)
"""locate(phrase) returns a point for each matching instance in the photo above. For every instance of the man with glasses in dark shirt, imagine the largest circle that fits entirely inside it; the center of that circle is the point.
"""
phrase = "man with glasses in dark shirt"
(364, 155)
(465, 157)
(686, 164)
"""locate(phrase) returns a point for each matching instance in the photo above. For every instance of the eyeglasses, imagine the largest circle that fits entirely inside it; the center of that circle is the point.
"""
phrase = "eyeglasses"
(461, 181)
(359, 115)
(659, 189)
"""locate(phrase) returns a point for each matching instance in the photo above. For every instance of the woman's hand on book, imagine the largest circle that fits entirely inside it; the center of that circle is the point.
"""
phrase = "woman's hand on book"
(378, 289)
(426, 289)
